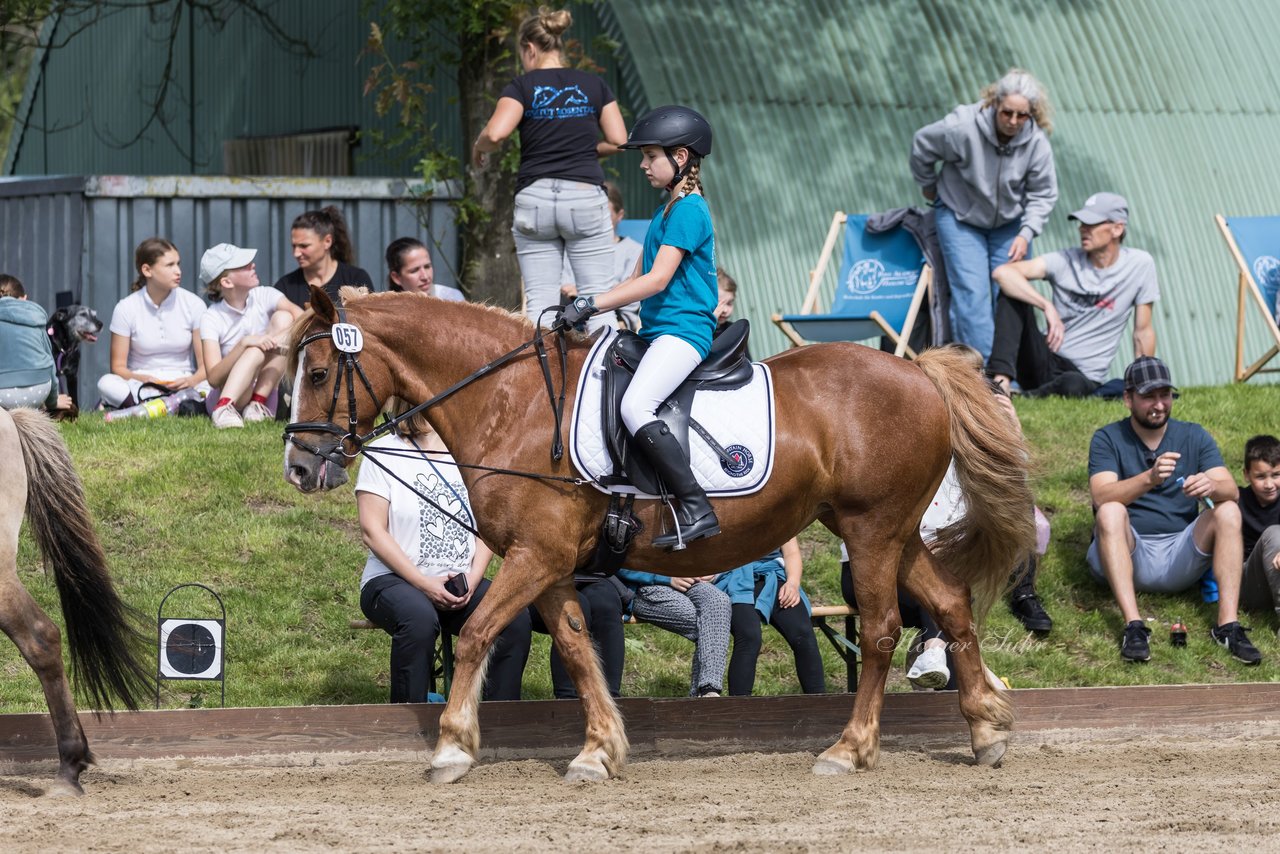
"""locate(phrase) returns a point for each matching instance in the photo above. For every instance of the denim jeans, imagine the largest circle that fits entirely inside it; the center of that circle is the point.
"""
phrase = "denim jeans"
(970, 255)
(555, 219)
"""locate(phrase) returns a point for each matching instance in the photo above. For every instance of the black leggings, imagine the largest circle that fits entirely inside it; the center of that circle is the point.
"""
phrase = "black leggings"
(796, 629)
(914, 615)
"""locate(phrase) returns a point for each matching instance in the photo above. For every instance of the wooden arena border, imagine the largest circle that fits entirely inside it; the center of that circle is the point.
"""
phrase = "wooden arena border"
(657, 727)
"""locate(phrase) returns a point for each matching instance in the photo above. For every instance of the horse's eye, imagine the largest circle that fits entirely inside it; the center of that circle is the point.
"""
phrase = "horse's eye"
(319, 375)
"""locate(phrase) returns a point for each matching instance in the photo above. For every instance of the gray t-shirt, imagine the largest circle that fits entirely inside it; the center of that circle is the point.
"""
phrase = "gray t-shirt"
(1095, 304)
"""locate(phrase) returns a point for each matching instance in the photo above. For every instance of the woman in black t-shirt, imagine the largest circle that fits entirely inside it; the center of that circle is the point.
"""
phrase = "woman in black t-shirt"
(322, 248)
(561, 207)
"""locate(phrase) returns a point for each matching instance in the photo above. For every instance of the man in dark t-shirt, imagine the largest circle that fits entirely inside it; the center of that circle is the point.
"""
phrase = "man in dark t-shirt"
(294, 285)
(1148, 475)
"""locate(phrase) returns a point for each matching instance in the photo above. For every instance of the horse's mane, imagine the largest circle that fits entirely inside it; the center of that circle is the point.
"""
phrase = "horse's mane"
(491, 317)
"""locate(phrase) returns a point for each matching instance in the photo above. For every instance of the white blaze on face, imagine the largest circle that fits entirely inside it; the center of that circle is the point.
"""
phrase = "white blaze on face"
(293, 410)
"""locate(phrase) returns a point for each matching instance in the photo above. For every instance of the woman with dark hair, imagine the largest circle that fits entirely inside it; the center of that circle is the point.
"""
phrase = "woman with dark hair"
(322, 248)
(409, 269)
(561, 208)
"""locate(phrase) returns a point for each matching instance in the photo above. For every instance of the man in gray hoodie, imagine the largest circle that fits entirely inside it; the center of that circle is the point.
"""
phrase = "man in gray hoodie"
(994, 190)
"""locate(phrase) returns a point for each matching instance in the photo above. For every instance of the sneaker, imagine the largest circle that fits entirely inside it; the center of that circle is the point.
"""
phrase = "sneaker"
(1031, 613)
(256, 412)
(1233, 637)
(226, 416)
(929, 672)
(1134, 645)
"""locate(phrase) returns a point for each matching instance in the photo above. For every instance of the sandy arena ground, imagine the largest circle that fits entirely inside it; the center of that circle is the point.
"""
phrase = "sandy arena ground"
(1176, 789)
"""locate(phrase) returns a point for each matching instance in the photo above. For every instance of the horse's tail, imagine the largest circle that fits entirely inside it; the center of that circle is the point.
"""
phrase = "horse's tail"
(103, 634)
(997, 531)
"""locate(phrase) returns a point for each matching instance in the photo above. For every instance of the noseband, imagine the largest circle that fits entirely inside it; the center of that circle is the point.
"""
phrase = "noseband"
(348, 341)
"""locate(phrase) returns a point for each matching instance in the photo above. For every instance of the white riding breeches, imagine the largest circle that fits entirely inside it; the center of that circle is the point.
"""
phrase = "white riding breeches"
(668, 363)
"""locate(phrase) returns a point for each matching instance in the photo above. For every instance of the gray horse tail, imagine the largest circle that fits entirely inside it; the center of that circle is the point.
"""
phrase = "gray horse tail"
(104, 634)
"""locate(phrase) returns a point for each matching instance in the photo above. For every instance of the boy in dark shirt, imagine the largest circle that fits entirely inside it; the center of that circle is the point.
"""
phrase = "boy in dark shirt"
(1260, 515)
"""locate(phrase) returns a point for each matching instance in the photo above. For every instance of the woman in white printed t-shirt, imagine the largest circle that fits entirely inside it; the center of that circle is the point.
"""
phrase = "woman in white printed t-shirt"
(155, 331)
(244, 335)
(415, 547)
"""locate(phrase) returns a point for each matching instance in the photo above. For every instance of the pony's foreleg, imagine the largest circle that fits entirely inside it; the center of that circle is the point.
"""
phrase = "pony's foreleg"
(510, 593)
(39, 641)
(605, 750)
(875, 582)
(982, 701)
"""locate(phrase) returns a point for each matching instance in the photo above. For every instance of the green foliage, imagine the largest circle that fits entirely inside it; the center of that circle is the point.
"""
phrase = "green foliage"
(176, 501)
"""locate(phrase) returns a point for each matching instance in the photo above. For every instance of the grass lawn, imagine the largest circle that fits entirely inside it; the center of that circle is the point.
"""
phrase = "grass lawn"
(176, 501)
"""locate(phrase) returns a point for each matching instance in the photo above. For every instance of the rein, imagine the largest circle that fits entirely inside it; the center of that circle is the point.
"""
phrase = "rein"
(348, 341)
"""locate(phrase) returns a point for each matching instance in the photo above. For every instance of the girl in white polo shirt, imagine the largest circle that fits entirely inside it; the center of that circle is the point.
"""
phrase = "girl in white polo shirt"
(155, 331)
(243, 334)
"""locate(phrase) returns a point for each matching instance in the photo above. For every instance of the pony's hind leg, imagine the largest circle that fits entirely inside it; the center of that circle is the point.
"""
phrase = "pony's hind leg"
(39, 641)
(605, 750)
(875, 581)
(984, 706)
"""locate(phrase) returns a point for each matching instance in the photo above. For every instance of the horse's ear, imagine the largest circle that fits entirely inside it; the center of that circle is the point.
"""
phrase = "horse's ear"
(322, 305)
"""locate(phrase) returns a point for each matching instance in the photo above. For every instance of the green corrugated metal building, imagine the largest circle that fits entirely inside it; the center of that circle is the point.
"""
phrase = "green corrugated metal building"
(1172, 103)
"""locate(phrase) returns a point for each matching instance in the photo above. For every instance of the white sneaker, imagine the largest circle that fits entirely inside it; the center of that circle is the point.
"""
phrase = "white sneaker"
(226, 416)
(256, 412)
(930, 670)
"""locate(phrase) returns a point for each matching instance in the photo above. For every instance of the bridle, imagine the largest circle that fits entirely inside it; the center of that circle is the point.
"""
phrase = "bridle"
(349, 342)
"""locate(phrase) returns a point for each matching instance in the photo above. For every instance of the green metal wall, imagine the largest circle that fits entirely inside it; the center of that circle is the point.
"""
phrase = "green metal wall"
(86, 102)
(1173, 103)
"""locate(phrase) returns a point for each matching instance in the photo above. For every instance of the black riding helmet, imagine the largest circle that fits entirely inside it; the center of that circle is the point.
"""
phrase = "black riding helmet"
(673, 127)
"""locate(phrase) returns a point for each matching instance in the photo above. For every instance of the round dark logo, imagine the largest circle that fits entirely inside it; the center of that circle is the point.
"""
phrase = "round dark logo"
(740, 461)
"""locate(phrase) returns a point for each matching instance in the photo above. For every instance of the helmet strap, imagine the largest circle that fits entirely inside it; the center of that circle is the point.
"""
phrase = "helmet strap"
(680, 173)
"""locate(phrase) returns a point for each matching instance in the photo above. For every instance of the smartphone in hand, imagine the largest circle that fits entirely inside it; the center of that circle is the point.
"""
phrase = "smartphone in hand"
(458, 585)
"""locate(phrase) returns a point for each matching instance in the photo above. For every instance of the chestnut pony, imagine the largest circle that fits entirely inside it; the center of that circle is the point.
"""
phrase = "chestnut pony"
(107, 649)
(863, 441)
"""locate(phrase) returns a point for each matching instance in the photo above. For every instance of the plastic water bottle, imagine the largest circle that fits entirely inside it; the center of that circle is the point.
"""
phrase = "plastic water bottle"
(1208, 586)
(157, 407)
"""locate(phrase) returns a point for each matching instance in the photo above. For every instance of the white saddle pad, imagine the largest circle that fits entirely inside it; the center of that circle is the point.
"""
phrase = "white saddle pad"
(740, 420)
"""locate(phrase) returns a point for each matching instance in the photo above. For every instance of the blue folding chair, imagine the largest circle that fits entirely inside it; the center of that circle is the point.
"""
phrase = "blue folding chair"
(633, 228)
(1254, 242)
(882, 283)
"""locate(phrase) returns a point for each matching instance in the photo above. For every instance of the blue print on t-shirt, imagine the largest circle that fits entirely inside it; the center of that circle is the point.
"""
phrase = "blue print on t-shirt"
(552, 102)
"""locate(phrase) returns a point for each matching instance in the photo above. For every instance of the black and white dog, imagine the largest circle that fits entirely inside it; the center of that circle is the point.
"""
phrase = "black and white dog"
(69, 327)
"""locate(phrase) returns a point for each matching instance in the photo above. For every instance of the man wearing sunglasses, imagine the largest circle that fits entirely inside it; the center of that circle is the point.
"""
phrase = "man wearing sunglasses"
(1096, 288)
(1149, 475)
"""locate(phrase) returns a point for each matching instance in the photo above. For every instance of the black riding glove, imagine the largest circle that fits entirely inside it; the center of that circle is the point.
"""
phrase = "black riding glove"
(575, 313)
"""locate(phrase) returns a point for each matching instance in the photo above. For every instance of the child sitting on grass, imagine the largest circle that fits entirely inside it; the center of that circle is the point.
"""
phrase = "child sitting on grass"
(1260, 517)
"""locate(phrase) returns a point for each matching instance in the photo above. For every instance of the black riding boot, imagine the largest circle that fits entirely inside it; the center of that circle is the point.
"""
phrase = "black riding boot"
(695, 517)
(1023, 601)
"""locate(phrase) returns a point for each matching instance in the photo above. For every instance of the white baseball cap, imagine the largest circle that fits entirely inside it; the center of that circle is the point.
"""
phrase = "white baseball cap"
(223, 257)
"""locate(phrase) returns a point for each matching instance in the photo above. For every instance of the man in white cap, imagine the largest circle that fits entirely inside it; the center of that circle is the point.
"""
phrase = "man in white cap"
(241, 335)
(1095, 288)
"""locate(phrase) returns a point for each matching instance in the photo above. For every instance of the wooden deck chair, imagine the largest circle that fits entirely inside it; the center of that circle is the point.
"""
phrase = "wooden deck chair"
(1254, 242)
(633, 228)
(882, 283)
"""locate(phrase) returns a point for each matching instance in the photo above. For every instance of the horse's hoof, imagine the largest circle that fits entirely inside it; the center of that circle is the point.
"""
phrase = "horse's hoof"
(582, 772)
(992, 754)
(64, 789)
(449, 765)
(826, 767)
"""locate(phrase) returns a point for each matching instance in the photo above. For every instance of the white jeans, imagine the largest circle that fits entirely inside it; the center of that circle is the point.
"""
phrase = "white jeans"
(669, 361)
(553, 219)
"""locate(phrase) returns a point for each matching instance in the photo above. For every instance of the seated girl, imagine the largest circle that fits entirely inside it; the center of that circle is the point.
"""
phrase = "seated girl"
(768, 591)
(155, 331)
(243, 335)
(409, 269)
(414, 549)
(694, 609)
